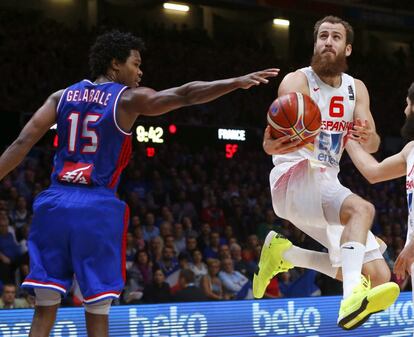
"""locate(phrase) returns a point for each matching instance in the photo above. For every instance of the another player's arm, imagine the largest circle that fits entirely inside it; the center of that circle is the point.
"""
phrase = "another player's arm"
(148, 102)
(292, 82)
(37, 126)
(390, 168)
(364, 128)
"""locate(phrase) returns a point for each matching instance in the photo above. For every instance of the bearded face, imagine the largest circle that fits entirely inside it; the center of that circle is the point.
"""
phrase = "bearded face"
(329, 64)
(330, 50)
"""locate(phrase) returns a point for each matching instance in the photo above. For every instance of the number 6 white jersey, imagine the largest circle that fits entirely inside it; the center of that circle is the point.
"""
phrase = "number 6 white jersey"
(337, 111)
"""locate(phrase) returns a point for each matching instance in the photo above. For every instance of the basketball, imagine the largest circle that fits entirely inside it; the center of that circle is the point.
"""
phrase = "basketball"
(295, 115)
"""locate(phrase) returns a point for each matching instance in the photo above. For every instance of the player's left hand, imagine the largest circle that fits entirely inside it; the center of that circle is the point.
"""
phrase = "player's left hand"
(361, 132)
(256, 78)
(404, 261)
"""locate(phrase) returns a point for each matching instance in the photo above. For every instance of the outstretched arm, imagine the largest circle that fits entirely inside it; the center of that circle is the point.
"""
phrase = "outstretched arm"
(390, 168)
(148, 102)
(37, 126)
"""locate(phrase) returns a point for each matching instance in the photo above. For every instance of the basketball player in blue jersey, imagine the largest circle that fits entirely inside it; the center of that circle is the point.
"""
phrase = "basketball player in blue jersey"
(398, 165)
(79, 225)
(306, 191)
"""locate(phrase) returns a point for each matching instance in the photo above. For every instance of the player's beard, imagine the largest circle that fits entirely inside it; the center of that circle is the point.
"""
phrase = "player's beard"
(407, 131)
(325, 66)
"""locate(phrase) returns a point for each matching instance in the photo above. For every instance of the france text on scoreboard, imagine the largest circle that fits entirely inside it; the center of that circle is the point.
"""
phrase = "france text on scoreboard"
(310, 317)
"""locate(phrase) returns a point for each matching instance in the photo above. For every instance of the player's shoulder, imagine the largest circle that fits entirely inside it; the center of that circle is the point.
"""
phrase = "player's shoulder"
(134, 93)
(294, 81)
(407, 149)
(56, 95)
(295, 76)
(359, 84)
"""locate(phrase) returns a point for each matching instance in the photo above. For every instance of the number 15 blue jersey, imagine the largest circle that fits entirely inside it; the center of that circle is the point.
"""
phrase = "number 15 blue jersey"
(92, 149)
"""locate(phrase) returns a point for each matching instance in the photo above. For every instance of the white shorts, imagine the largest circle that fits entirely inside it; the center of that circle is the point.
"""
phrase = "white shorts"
(310, 196)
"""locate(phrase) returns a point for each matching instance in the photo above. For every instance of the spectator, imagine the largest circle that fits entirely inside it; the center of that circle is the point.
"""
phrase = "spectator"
(212, 250)
(150, 231)
(8, 298)
(179, 237)
(10, 252)
(198, 267)
(272, 290)
(210, 283)
(138, 276)
(191, 245)
(130, 251)
(236, 285)
(189, 292)
(169, 265)
(204, 238)
(188, 227)
(158, 291)
(20, 214)
(247, 269)
(156, 248)
(214, 215)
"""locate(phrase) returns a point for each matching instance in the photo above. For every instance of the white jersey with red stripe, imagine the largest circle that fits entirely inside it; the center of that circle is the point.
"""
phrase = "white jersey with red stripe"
(410, 194)
(337, 111)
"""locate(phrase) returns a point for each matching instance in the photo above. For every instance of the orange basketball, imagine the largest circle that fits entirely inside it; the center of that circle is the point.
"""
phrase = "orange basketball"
(295, 115)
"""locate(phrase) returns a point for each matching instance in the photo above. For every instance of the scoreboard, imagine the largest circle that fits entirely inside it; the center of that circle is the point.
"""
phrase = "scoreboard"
(228, 141)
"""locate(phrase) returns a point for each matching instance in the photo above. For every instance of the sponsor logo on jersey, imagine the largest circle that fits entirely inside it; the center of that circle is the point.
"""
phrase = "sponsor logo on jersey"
(315, 89)
(76, 173)
(351, 93)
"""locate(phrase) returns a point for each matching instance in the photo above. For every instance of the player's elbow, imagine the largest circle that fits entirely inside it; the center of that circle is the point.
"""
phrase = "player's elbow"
(373, 178)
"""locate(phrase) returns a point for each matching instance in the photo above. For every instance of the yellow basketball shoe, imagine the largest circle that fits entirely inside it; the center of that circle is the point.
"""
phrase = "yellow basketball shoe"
(271, 262)
(356, 309)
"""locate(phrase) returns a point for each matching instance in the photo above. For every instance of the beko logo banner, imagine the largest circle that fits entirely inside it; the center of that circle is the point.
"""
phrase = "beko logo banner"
(304, 317)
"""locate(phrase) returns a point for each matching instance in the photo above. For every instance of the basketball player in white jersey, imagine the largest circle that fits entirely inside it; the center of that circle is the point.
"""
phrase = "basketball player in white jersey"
(392, 167)
(306, 191)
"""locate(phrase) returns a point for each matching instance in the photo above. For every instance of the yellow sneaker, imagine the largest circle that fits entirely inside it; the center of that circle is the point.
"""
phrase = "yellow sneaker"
(271, 262)
(356, 309)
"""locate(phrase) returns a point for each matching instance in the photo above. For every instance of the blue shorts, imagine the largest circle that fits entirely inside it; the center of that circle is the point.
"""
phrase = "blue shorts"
(78, 231)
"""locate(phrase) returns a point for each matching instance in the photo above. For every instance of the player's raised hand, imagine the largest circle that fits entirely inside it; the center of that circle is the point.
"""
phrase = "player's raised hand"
(256, 78)
(361, 132)
(280, 145)
(402, 265)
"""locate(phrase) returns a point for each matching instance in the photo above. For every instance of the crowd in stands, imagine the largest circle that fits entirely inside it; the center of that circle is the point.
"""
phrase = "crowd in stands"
(197, 220)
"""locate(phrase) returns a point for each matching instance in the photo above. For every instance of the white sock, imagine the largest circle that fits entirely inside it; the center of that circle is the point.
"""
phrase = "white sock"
(352, 257)
(310, 259)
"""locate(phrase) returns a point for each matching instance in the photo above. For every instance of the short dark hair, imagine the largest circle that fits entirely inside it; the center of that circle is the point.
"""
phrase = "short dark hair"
(334, 19)
(109, 46)
(187, 275)
(410, 94)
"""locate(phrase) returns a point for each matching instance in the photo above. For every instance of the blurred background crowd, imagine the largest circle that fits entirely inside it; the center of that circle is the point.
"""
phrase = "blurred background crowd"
(197, 220)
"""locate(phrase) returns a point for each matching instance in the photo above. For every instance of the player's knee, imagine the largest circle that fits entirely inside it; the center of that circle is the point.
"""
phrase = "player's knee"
(99, 308)
(46, 297)
(364, 209)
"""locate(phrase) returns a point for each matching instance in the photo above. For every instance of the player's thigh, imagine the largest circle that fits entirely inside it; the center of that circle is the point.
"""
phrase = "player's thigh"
(333, 196)
(99, 246)
(49, 238)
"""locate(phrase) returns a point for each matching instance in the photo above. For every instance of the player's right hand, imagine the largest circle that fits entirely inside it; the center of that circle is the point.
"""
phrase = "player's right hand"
(256, 78)
(280, 145)
(402, 265)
